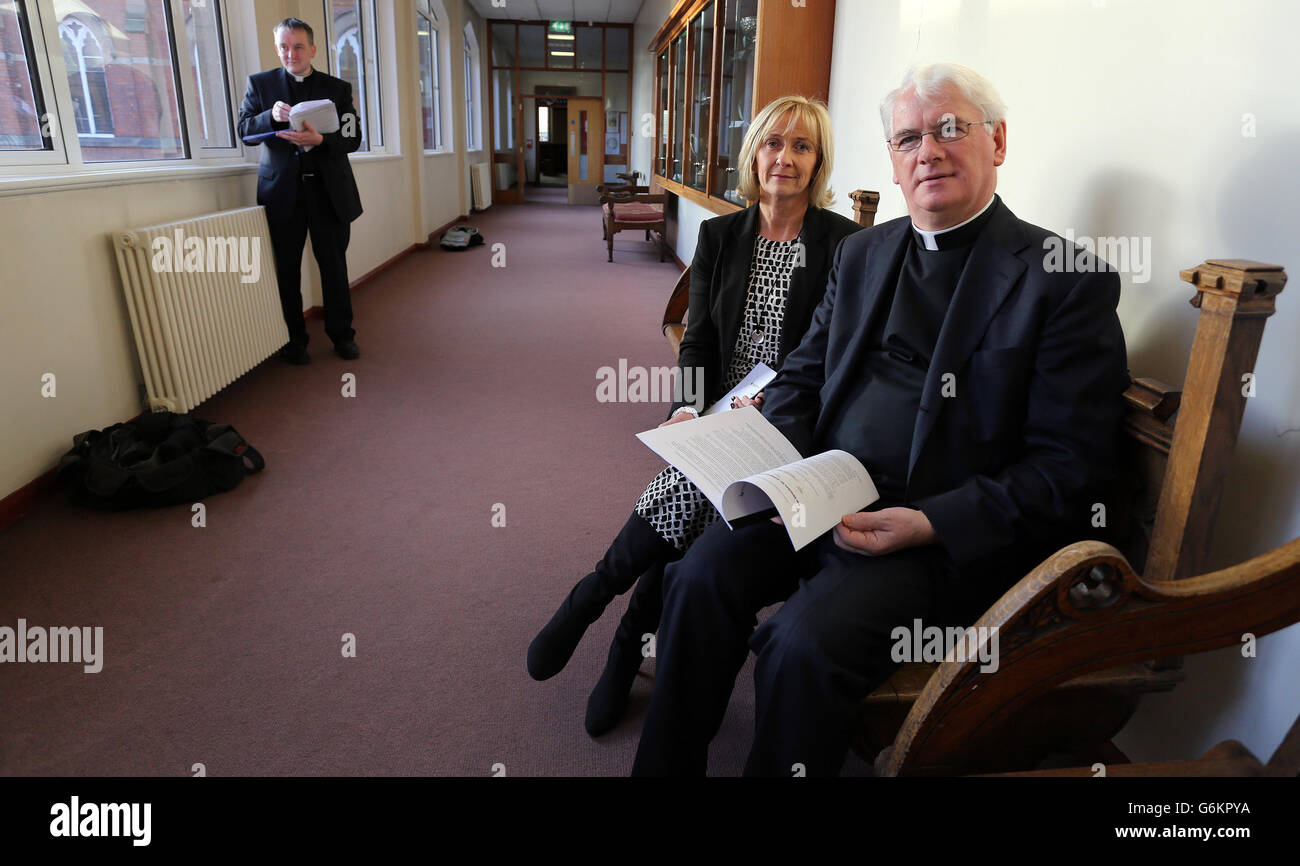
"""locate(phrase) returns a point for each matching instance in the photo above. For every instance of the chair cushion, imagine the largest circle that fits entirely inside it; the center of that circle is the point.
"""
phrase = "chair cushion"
(636, 212)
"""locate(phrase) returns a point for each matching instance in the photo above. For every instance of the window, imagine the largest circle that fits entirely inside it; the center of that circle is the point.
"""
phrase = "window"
(427, 26)
(122, 78)
(473, 120)
(210, 75)
(84, 58)
(352, 52)
(140, 81)
(23, 120)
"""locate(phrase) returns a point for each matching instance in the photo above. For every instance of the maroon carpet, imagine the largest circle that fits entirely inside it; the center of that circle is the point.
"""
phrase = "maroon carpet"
(374, 518)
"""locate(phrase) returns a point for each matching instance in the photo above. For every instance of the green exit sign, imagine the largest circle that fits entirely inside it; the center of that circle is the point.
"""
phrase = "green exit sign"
(561, 26)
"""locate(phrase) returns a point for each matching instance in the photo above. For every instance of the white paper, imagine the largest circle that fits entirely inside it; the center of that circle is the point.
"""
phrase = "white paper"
(811, 496)
(744, 466)
(320, 113)
(750, 386)
(715, 450)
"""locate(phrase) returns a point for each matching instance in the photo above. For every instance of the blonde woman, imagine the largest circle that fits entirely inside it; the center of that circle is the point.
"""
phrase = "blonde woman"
(756, 278)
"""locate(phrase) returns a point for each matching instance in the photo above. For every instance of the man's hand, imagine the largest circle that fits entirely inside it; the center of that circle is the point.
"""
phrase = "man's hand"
(280, 112)
(874, 533)
(308, 137)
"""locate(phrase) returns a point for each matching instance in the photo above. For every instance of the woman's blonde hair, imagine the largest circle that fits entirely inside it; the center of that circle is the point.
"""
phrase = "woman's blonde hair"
(787, 112)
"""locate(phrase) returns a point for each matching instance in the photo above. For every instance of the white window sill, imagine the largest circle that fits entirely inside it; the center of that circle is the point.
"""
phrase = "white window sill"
(374, 157)
(440, 153)
(64, 180)
(27, 184)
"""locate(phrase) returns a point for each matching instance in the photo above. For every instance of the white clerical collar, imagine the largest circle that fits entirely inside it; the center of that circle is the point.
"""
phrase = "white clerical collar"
(299, 78)
(931, 244)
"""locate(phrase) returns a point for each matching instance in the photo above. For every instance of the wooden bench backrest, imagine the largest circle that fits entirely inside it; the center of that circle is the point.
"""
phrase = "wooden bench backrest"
(1180, 444)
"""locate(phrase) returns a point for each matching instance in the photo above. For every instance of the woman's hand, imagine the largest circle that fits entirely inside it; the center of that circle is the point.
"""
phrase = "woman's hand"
(679, 418)
(741, 402)
(875, 533)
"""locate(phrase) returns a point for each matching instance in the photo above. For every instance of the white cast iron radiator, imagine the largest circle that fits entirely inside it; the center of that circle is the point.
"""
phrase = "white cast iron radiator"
(204, 303)
(481, 185)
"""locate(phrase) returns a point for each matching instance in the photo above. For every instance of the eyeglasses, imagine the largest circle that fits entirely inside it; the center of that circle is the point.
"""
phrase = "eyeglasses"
(945, 133)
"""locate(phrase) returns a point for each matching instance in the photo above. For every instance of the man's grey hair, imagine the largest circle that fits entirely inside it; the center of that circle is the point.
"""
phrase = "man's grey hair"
(930, 80)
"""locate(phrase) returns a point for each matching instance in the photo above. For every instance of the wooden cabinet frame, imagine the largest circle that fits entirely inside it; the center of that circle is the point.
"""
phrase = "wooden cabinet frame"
(792, 56)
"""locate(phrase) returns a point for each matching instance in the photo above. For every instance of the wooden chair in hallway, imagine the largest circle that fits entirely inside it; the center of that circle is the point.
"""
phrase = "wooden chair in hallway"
(1095, 626)
(631, 207)
(865, 203)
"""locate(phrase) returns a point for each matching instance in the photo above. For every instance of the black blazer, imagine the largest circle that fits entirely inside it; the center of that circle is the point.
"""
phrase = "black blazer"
(720, 284)
(277, 176)
(1015, 456)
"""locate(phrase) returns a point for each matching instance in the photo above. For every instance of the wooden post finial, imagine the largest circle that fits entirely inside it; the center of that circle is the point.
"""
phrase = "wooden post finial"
(1235, 297)
(865, 202)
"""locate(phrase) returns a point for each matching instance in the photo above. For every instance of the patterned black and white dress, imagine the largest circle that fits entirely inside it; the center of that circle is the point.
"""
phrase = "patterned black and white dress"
(671, 504)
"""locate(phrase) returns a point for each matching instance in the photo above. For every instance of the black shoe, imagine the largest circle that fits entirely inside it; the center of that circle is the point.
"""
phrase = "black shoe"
(295, 354)
(608, 701)
(637, 547)
(347, 351)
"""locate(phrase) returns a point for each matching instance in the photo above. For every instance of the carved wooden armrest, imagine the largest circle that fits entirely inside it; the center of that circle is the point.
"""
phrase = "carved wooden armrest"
(1084, 609)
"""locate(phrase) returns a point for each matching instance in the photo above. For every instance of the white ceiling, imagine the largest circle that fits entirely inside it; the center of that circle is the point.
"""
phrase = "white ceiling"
(613, 11)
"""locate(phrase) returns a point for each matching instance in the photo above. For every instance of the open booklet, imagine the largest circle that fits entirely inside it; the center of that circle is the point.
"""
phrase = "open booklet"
(748, 470)
(320, 113)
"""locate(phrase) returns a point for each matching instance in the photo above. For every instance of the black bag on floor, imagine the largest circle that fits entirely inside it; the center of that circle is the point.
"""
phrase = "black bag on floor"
(158, 459)
(460, 238)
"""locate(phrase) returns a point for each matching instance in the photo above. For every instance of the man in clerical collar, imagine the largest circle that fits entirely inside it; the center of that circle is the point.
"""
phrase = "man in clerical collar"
(982, 390)
(305, 182)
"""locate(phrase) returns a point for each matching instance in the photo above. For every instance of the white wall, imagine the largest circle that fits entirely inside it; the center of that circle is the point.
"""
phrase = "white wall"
(1126, 119)
(62, 297)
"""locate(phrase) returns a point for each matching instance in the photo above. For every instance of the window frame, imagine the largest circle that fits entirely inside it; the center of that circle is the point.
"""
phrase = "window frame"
(76, 160)
(426, 15)
(370, 103)
(54, 149)
(437, 15)
(191, 102)
(473, 90)
(64, 162)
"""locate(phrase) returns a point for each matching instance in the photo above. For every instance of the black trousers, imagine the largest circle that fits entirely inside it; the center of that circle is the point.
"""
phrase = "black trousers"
(329, 241)
(827, 648)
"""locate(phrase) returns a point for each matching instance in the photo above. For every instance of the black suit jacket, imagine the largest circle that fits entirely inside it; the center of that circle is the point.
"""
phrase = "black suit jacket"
(1011, 462)
(277, 176)
(720, 284)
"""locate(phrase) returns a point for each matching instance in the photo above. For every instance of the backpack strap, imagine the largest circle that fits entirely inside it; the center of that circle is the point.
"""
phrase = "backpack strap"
(224, 439)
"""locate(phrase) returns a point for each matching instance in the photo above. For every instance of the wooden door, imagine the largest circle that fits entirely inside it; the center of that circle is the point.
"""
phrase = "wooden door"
(586, 146)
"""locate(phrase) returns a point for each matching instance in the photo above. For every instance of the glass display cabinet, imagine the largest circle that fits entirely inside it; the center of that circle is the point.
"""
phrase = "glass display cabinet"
(718, 62)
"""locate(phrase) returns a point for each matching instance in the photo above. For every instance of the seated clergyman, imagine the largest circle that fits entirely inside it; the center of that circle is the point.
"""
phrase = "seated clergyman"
(980, 386)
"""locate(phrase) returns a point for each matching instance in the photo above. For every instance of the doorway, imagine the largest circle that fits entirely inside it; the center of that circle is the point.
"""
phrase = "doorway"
(585, 143)
(551, 119)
